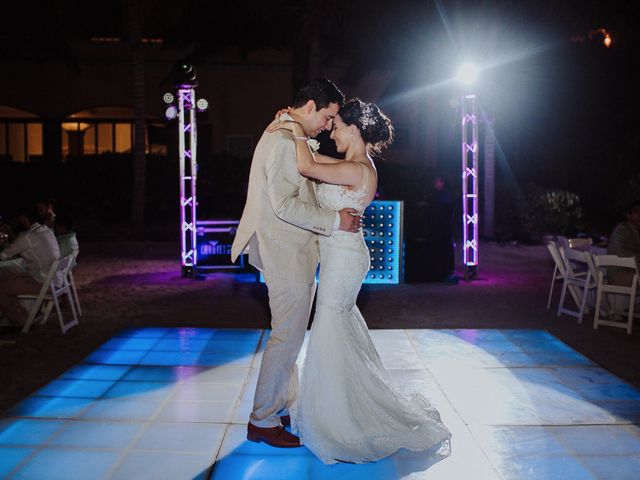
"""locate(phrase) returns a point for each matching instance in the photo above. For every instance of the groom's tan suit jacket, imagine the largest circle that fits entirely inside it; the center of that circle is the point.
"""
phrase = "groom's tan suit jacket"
(281, 216)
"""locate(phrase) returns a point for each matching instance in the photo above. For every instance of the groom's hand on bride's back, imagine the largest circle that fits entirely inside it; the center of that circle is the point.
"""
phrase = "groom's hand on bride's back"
(350, 220)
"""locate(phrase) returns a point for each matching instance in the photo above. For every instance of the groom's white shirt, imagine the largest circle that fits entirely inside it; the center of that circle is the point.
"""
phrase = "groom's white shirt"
(282, 214)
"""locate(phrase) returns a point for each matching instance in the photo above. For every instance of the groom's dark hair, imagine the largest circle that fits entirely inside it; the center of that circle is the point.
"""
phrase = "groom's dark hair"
(322, 91)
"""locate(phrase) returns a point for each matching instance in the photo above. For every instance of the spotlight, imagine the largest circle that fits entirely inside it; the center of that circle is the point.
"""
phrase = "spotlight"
(168, 97)
(607, 40)
(184, 73)
(467, 74)
(202, 105)
(171, 112)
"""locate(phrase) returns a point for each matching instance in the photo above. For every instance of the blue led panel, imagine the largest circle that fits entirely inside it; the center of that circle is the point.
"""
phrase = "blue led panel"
(382, 224)
(382, 227)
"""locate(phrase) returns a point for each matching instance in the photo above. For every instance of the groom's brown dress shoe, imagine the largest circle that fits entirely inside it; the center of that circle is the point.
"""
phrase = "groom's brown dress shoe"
(276, 436)
(285, 420)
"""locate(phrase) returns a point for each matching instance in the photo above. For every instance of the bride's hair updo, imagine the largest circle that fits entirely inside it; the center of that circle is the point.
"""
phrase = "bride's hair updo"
(375, 127)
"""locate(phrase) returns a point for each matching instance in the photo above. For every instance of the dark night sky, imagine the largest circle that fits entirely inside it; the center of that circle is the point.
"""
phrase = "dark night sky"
(565, 106)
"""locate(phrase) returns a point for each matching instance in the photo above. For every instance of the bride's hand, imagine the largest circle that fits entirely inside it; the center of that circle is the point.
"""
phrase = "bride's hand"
(282, 112)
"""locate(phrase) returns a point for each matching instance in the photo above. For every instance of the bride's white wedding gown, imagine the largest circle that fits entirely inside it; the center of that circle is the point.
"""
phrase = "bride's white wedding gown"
(348, 409)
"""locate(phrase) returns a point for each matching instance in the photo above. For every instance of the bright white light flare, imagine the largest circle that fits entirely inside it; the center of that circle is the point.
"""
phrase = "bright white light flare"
(467, 74)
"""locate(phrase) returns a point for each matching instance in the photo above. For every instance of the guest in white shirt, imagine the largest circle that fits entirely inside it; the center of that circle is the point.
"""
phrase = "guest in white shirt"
(38, 248)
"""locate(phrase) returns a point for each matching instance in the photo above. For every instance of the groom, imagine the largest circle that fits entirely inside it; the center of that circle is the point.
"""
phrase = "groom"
(279, 225)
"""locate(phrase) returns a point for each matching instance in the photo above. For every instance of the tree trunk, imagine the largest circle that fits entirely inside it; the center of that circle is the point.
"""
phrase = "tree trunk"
(139, 129)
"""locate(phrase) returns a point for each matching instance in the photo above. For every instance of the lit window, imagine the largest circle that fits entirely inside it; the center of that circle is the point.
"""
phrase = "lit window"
(105, 137)
(17, 142)
(20, 135)
(34, 139)
(123, 137)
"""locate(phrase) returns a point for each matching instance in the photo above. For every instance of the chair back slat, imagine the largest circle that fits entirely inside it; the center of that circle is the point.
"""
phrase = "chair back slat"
(576, 261)
(616, 261)
(557, 258)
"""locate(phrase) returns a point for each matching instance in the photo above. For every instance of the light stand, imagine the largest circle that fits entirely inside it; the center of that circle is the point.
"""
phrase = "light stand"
(469, 186)
(185, 112)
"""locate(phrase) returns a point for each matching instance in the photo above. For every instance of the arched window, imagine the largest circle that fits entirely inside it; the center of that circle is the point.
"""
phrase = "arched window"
(20, 135)
(106, 129)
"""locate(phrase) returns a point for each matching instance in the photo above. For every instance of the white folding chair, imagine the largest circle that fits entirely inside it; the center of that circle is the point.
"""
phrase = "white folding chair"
(559, 272)
(72, 283)
(606, 291)
(69, 245)
(578, 273)
(54, 286)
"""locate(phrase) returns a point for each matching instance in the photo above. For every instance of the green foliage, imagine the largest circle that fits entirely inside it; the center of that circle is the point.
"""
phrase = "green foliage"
(552, 211)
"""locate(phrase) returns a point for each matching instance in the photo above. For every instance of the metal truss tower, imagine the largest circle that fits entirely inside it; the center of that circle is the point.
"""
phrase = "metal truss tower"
(187, 142)
(469, 186)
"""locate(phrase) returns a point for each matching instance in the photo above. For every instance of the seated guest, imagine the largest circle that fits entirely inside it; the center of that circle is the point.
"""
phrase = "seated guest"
(65, 236)
(45, 212)
(6, 234)
(38, 247)
(625, 242)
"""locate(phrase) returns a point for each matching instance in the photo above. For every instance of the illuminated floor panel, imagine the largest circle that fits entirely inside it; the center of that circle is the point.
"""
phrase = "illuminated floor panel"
(162, 403)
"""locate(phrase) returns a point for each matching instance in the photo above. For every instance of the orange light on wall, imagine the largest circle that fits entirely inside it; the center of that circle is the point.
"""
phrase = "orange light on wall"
(75, 126)
(607, 39)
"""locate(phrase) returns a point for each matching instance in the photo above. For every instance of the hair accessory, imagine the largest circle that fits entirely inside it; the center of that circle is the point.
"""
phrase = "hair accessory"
(367, 118)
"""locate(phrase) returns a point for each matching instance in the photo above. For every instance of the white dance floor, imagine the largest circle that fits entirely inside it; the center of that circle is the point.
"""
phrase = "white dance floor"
(163, 403)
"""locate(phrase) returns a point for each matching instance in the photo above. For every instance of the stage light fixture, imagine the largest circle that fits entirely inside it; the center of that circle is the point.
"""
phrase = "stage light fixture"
(202, 105)
(171, 112)
(184, 74)
(168, 97)
(467, 73)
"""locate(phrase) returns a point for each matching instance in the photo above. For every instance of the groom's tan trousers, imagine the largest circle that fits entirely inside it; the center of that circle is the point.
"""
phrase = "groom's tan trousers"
(290, 303)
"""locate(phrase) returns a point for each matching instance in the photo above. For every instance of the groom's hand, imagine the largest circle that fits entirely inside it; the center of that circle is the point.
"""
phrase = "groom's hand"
(350, 220)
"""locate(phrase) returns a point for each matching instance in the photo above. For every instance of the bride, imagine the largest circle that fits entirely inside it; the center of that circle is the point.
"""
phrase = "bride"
(348, 409)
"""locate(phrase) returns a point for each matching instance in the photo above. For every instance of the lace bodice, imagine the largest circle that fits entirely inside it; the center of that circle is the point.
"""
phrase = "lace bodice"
(337, 197)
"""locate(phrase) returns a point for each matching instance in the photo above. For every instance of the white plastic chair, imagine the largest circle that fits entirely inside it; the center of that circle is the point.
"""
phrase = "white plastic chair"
(72, 283)
(55, 285)
(559, 272)
(579, 274)
(604, 290)
(69, 245)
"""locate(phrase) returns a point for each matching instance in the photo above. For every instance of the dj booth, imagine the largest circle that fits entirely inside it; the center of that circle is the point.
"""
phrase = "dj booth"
(382, 226)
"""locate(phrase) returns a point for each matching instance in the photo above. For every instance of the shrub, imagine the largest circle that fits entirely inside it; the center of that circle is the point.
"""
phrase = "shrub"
(552, 211)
